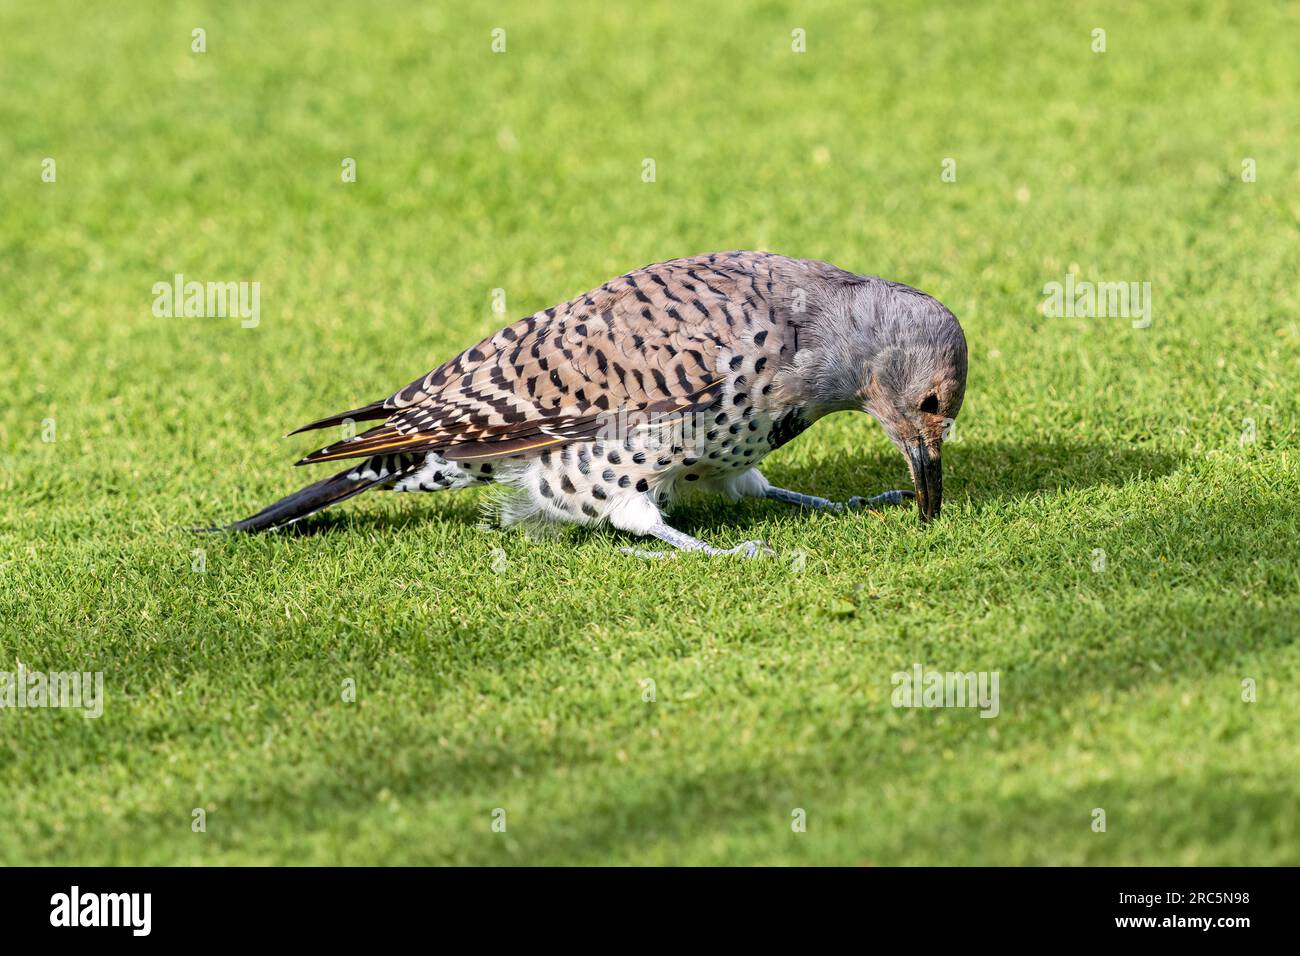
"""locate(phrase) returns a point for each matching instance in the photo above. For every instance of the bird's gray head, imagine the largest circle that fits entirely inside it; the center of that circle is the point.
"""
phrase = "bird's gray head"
(899, 355)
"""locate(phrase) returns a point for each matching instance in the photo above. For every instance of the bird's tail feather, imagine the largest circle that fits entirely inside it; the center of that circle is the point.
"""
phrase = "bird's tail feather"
(366, 413)
(380, 470)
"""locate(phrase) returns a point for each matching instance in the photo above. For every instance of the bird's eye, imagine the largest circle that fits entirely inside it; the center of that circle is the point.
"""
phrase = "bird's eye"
(930, 405)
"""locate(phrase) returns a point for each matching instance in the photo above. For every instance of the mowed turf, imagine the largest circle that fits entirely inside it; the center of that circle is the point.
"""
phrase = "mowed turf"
(497, 672)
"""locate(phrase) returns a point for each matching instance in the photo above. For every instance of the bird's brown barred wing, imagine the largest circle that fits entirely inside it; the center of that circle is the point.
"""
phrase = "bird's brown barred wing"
(655, 341)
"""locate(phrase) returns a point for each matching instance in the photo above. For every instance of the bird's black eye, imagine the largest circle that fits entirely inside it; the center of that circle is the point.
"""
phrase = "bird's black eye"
(930, 405)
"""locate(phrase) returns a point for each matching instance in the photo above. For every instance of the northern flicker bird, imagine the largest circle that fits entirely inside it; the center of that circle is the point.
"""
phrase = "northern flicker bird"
(676, 378)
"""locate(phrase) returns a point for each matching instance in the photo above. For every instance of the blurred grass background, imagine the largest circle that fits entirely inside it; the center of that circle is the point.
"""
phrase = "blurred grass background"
(522, 689)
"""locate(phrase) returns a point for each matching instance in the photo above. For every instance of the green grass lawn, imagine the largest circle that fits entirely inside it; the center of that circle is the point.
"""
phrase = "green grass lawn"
(497, 671)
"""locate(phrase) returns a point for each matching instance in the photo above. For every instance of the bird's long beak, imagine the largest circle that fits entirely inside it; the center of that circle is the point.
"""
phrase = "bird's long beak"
(927, 476)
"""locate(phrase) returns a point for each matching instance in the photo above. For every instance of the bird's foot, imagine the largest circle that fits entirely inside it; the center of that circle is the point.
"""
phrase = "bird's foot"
(749, 551)
(885, 499)
(824, 504)
(684, 542)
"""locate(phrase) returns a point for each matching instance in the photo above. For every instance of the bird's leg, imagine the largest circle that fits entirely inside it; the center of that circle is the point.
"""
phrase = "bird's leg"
(684, 542)
(825, 504)
(802, 500)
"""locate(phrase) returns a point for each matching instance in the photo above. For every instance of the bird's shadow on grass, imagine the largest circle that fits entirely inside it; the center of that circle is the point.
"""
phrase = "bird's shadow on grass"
(979, 472)
(976, 473)
(344, 519)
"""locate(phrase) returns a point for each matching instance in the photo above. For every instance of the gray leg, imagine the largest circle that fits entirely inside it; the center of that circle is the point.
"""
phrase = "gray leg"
(684, 542)
(824, 504)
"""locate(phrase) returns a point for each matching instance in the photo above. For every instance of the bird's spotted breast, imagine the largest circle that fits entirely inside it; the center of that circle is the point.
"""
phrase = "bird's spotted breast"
(787, 427)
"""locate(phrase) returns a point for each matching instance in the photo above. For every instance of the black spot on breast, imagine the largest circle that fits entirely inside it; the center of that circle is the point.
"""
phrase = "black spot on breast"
(544, 487)
(643, 485)
(599, 493)
(566, 484)
(608, 475)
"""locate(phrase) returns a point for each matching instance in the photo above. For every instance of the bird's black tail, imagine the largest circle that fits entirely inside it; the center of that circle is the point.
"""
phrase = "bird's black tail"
(380, 470)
